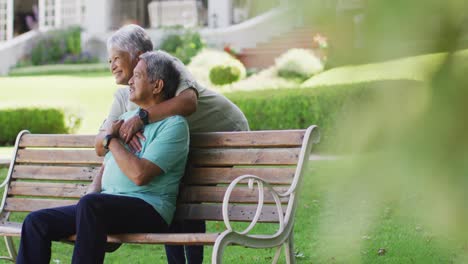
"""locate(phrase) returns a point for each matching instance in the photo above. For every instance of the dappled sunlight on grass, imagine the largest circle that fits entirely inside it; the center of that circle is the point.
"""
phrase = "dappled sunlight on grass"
(88, 97)
(419, 68)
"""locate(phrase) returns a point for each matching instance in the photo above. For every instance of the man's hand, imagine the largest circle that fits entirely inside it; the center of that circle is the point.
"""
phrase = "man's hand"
(93, 188)
(114, 128)
(134, 143)
(130, 129)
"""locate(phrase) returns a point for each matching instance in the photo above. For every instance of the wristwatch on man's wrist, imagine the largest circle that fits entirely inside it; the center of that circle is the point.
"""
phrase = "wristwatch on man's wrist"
(143, 114)
(106, 141)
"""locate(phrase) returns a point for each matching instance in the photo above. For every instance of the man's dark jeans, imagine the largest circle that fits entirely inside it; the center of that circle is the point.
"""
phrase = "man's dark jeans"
(95, 216)
(185, 254)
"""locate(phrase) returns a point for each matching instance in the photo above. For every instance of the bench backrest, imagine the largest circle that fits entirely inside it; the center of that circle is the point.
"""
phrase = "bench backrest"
(54, 170)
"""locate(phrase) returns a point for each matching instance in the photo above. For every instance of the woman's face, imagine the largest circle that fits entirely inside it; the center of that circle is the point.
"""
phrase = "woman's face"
(121, 65)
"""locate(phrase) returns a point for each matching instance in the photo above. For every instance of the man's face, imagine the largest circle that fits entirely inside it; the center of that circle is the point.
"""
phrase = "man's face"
(121, 65)
(140, 87)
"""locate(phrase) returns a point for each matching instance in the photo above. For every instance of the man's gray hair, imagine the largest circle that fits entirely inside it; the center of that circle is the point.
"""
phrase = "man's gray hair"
(130, 38)
(160, 65)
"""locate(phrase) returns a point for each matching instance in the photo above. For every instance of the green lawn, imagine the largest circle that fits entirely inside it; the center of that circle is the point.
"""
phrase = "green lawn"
(317, 239)
(418, 68)
(88, 95)
(5, 152)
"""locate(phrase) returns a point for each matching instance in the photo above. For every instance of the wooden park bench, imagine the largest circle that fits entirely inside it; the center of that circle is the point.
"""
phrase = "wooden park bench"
(248, 177)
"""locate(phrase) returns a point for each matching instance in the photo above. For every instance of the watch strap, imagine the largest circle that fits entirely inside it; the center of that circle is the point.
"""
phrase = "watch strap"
(107, 140)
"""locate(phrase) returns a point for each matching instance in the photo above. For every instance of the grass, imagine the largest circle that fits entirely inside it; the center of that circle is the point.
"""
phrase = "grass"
(418, 68)
(64, 69)
(89, 96)
(5, 152)
(404, 239)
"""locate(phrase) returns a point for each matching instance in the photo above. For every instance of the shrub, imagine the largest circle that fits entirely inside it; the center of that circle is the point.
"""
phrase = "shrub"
(221, 75)
(36, 120)
(298, 63)
(201, 65)
(299, 108)
(183, 45)
(58, 46)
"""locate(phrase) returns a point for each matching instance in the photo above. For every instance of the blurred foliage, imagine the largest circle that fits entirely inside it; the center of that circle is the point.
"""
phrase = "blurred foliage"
(369, 31)
(57, 46)
(413, 146)
(221, 75)
(36, 120)
(183, 44)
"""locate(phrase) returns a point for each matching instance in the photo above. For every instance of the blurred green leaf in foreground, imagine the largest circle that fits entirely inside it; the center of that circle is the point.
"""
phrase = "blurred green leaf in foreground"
(408, 144)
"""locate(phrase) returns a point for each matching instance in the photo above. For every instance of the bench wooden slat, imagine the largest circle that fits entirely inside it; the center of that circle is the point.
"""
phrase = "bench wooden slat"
(41, 156)
(10, 229)
(14, 230)
(213, 212)
(58, 141)
(212, 194)
(211, 175)
(66, 190)
(35, 172)
(32, 204)
(168, 239)
(229, 157)
(284, 138)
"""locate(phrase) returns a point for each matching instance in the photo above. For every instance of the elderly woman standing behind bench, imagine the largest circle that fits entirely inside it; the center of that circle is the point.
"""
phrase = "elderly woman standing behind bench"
(139, 191)
(205, 110)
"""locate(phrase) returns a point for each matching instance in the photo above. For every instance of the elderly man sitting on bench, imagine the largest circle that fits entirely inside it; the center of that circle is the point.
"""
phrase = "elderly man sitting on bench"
(134, 192)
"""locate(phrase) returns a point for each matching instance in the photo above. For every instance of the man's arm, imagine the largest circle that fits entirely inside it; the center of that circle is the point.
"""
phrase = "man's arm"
(139, 171)
(116, 110)
(183, 104)
(100, 151)
(95, 186)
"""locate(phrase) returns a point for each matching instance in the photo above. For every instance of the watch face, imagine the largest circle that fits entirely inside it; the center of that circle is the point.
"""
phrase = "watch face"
(143, 114)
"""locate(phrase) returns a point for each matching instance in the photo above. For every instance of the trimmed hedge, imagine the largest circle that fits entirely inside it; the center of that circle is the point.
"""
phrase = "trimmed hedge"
(301, 107)
(36, 120)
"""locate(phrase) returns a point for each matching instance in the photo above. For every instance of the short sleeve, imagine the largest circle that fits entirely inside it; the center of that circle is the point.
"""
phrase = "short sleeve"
(118, 107)
(187, 80)
(170, 146)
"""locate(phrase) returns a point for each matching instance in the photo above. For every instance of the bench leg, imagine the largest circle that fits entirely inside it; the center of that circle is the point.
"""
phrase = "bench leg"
(221, 242)
(11, 250)
(277, 254)
(289, 250)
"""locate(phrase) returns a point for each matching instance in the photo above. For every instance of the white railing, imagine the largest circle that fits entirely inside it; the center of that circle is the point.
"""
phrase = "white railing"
(6, 20)
(11, 51)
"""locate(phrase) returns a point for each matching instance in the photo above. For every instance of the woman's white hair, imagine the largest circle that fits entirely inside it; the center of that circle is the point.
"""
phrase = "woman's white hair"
(132, 39)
